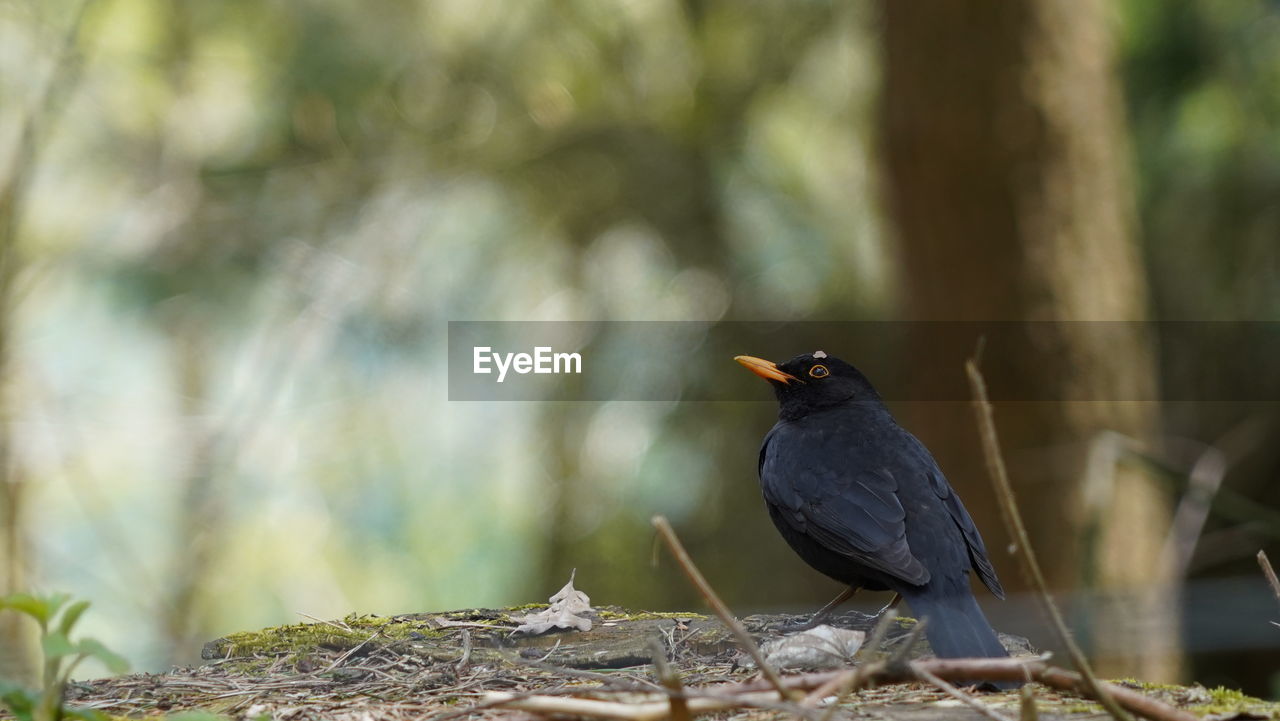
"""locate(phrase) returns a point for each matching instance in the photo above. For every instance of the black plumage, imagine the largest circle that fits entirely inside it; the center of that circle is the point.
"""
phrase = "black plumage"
(862, 501)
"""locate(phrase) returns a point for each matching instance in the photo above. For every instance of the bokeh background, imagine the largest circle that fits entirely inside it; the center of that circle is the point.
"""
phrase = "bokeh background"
(232, 234)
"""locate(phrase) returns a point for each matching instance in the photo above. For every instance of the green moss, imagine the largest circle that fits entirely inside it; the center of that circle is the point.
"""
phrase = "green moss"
(355, 629)
(1222, 694)
(367, 621)
(1079, 707)
(528, 607)
(303, 637)
(1151, 686)
(609, 614)
(1199, 700)
(1229, 700)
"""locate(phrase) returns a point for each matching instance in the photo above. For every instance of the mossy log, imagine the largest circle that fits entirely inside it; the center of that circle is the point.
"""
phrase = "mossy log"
(395, 668)
(619, 638)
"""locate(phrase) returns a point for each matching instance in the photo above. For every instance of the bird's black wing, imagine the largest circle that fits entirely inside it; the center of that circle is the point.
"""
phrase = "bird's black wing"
(821, 489)
(972, 539)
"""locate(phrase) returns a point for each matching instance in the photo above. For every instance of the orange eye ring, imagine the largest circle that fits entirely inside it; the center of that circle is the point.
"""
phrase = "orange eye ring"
(819, 371)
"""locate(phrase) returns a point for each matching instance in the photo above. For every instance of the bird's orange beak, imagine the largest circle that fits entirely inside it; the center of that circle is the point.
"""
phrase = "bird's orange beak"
(767, 370)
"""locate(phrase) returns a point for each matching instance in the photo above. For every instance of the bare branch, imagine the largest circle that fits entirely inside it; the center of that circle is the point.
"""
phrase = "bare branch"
(647, 711)
(1270, 573)
(700, 582)
(671, 680)
(957, 694)
(761, 694)
(1027, 704)
(1013, 522)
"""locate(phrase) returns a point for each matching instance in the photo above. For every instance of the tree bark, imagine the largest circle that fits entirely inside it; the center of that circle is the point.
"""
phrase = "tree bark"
(1007, 180)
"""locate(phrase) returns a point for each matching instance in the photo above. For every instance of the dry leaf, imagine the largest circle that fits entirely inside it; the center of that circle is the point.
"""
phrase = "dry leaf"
(566, 612)
(819, 648)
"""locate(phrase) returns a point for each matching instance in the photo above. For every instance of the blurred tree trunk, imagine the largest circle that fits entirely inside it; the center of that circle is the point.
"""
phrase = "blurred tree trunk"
(17, 661)
(201, 509)
(16, 641)
(201, 506)
(1008, 183)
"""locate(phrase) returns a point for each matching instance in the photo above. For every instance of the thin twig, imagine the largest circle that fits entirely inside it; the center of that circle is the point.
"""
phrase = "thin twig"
(648, 711)
(1270, 573)
(1204, 479)
(44, 112)
(837, 686)
(760, 694)
(1204, 482)
(555, 647)
(997, 669)
(339, 626)
(1013, 522)
(1027, 704)
(627, 684)
(341, 659)
(671, 680)
(957, 694)
(699, 582)
(907, 644)
(842, 685)
(847, 683)
(465, 659)
(878, 634)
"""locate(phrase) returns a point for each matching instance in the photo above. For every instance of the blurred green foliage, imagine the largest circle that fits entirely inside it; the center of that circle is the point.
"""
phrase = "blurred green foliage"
(253, 219)
(56, 615)
(1203, 82)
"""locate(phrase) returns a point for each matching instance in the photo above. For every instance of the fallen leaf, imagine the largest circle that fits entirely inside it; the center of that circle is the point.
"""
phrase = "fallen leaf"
(819, 648)
(566, 612)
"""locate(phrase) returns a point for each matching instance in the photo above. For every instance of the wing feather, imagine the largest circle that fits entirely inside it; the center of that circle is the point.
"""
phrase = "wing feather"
(852, 511)
(972, 539)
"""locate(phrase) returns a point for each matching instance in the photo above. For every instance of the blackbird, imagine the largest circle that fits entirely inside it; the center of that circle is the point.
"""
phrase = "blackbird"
(863, 502)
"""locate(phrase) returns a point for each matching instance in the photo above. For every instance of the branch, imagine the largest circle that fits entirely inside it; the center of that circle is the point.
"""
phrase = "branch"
(1027, 704)
(1270, 573)
(959, 695)
(43, 115)
(700, 582)
(1013, 522)
(647, 711)
(679, 707)
(761, 694)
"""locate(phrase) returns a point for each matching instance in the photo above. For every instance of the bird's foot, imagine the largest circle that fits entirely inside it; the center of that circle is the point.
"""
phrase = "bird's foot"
(890, 607)
(789, 627)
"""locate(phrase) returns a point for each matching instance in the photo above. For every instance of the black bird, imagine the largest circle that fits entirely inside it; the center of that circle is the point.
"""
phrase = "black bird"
(863, 502)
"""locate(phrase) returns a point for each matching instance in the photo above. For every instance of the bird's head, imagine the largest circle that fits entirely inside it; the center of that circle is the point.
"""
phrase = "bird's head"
(812, 382)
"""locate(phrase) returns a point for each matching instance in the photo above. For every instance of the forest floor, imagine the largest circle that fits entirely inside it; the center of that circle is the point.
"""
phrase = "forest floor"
(455, 664)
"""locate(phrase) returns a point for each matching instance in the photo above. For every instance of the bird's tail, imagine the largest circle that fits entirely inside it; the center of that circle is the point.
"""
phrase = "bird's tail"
(957, 628)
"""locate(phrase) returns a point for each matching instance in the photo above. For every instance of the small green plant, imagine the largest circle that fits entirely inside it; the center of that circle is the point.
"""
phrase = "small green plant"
(56, 615)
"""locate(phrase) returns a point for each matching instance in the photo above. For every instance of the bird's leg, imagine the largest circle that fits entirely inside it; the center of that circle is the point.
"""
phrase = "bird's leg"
(822, 613)
(891, 605)
(834, 603)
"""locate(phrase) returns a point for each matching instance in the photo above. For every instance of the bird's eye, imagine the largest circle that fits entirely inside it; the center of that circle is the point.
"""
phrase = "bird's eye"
(819, 372)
